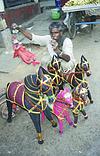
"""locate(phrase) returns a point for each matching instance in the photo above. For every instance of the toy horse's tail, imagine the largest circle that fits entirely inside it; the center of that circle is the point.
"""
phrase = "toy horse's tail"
(6, 89)
(9, 106)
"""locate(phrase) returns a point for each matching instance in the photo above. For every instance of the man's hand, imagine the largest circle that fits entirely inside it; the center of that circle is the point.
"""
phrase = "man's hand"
(55, 47)
(22, 30)
(15, 28)
(65, 57)
(54, 44)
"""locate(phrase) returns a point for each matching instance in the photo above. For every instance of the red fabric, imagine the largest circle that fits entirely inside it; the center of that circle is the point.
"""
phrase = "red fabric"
(21, 52)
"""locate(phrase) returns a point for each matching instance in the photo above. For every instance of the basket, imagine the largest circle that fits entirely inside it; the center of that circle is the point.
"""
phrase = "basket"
(55, 14)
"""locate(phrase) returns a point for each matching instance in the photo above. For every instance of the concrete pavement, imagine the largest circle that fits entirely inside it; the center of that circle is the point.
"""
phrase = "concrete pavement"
(19, 137)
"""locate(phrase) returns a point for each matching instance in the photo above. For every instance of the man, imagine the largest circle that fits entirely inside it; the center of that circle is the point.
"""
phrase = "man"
(56, 43)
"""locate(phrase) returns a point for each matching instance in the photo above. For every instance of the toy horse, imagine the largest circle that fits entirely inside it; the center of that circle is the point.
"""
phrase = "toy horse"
(30, 96)
(73, 78)
(55, 70)
(79, 100)
(63, 102)
(77, 77)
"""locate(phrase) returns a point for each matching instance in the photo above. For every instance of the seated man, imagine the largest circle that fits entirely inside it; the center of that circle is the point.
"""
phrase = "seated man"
(56, 43)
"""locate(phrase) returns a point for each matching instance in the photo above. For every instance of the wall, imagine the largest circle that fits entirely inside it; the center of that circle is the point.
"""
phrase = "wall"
(21, 13)
(12, 3)
(18, 14)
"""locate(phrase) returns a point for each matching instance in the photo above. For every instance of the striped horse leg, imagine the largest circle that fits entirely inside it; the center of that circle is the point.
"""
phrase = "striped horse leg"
(84, 114)
(89, 96)
(49, 117)
(61, 127)
(65, 114)
(68, 118)
(36, 121)
(9, 106)
(75, 120)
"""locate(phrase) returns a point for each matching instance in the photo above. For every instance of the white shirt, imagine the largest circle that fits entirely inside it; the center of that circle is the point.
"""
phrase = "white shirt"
(67, 48)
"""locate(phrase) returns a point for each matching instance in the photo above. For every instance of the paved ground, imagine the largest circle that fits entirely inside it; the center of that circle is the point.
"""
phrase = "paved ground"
(19, 137)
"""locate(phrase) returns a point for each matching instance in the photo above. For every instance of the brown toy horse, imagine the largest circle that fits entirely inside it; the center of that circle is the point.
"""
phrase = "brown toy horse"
(55, 72)
(80, 98)
(75, 78)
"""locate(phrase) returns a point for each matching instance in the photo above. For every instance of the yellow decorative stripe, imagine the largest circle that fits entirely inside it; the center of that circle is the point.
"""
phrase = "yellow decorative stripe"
(34, 98)
(58, 116)
(29, 83)
(33, 82)
(72, 80)
(36, 92)
(8, 89)
(23, 106)
(19, 85)
(76, 110)
(23, 100)
(39, 103)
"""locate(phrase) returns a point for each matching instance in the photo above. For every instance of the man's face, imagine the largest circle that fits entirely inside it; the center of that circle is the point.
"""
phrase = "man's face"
(55, 34)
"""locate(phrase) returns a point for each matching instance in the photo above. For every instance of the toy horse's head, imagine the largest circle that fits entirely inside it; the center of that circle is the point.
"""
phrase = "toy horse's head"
(54, 69)
(66, 97)
(54, 65)
(84, 65)
(81, 92)
(45, 85)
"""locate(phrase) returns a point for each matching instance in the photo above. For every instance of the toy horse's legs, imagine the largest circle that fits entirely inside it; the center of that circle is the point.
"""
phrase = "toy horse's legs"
(9, 106)
(75, 120)
(89, 96)
(84, 113)
(76, 117)
(36, 121)
(61, 127)
(68, 118)
(61, 87)
(49, 117)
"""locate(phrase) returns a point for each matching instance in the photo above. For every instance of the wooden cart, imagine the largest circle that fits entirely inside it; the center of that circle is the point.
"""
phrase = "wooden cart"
(74, 17)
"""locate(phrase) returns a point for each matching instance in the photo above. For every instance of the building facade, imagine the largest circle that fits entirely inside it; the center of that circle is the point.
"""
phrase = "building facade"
(19, 11)
(15, 11)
